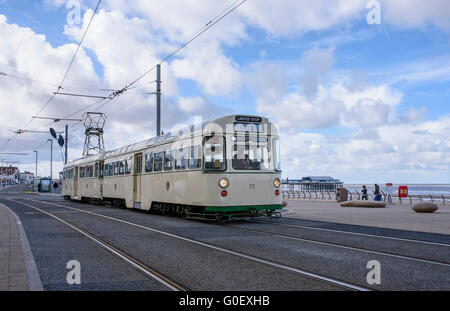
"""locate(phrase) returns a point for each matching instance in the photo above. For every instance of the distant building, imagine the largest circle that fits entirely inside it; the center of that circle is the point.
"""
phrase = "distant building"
(9, 175)
(8, 170)
(26, 177)
(314, 183)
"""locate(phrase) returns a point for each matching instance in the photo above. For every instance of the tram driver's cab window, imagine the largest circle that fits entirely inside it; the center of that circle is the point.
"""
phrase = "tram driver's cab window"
(214, 153)
(251, 153)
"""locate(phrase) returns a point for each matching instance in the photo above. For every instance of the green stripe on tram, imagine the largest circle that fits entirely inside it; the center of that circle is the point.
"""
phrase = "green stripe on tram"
(242, 208)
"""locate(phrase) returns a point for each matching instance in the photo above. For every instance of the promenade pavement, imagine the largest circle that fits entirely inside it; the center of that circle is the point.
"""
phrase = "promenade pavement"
(12, 267)
(17, 267)
(392, 217)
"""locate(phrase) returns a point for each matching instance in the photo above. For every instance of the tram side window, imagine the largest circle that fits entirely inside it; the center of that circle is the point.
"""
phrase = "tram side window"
(168, 160)
(116, 168)
(214, 153)
(121, 167)
(158, 161)
(195, 157)
(81, 172)
(96, 170)
(111, 169)
(128, 166)
(148, 162)
(106, 170)
(180, 159)
(91, 171)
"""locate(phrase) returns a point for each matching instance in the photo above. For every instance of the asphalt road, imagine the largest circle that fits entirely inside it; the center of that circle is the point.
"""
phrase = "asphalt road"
(285, 254)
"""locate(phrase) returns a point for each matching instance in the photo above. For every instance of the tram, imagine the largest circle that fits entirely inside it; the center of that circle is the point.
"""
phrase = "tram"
(218, 170)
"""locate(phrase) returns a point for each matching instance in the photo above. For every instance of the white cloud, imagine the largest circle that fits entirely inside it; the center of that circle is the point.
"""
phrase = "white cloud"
(397, 153)
(417, 13)
(286, 17)
(206, 64)
(334, 105)
(317, 63)
(295, 111)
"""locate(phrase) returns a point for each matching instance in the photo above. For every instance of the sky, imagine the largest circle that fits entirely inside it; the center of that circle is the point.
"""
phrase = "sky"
(359, 89)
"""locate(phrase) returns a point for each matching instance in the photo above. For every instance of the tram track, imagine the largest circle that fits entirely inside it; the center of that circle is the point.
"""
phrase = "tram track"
(308, 274)
(131, 261)
(288, 224)
(342, 246)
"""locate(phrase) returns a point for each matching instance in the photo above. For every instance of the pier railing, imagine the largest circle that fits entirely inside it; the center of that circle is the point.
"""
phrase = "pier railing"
(290, 194)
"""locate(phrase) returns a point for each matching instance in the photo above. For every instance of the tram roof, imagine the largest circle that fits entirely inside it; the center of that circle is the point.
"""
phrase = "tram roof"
(188, 131)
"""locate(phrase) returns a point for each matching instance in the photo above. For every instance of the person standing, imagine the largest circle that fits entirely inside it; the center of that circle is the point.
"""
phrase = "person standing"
(55, 187)
(377, 196)
(364, 193)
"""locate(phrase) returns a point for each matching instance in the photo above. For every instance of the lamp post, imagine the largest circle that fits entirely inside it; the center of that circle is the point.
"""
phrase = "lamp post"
(35, 176)
(51, 159)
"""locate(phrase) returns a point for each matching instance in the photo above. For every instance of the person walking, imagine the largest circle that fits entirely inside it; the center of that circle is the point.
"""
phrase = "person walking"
(364, 193)
(55, 187)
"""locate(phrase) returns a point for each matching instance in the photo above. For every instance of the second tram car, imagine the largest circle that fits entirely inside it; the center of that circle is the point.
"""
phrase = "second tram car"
(226, 168)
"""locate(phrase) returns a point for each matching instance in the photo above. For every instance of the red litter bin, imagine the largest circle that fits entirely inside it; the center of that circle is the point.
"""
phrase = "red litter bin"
(403, 191)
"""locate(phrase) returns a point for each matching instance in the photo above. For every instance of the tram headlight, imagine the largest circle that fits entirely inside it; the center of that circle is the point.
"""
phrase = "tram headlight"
(224, 183)
(277, 183)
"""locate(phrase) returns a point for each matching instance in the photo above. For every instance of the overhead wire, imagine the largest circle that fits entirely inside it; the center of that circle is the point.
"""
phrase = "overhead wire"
(205, 28)
(19, 77)
(60, 86)
(117, 93)
(65, 75)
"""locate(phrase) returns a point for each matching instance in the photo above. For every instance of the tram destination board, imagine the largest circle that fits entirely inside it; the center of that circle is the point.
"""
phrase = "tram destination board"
(248, 119)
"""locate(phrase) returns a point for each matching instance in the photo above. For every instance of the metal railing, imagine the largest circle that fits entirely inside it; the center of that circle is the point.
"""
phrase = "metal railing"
(439, 199)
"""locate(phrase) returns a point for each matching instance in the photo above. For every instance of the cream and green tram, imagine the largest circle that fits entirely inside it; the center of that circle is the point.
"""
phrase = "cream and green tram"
(226, 168)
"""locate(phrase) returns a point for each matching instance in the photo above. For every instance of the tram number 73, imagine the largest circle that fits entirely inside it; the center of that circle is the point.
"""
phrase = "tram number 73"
(252, 186)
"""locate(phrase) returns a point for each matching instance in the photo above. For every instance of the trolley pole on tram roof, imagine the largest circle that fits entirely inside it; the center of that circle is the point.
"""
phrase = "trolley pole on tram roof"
(158, 100)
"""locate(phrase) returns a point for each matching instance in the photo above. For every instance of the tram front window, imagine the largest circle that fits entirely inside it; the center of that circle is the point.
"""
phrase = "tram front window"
(251, 153)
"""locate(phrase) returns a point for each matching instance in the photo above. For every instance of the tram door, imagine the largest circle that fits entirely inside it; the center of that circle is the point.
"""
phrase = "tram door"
(75, 182)
(137, 180)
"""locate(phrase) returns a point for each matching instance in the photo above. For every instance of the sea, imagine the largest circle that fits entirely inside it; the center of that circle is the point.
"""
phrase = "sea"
(413, 189)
